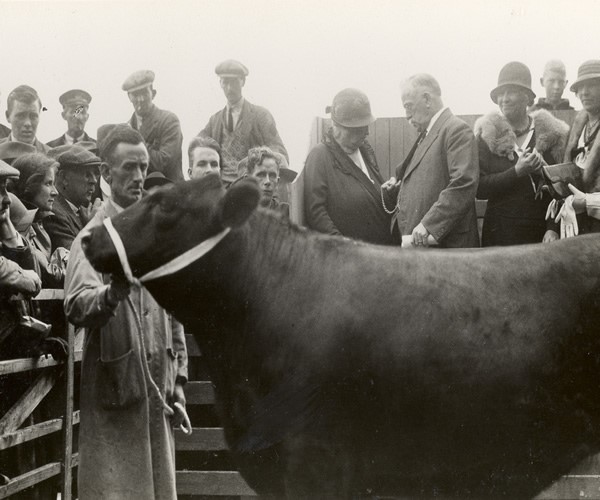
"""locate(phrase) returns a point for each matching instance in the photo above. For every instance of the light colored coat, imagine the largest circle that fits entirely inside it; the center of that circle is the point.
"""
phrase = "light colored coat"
(123, 452)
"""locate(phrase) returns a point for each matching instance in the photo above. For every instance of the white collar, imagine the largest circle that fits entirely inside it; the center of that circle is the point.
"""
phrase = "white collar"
(237, 106)
(434, 119)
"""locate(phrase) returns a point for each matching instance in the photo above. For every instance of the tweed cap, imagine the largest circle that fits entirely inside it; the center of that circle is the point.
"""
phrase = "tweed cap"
(514, 74)
(138, 80)
(76, 157)
(231, 68)
(351, 108)
(156, 179)
(75, 97)
(7, 171)
(20, 215)
(589, 70)
(11, 150)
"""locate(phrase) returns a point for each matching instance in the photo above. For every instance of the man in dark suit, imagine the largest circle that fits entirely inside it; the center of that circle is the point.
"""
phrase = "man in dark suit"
(159, 128)
(23, 113)
(75, 112)
(241, 125)
(76, 180)
(439, 178)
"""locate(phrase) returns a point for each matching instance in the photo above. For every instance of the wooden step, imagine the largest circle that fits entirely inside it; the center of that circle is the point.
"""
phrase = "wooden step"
(218, 483)
(201, 439)
(200, 393)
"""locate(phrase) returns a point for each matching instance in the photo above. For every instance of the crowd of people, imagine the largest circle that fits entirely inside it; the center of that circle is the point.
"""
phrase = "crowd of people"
(50, 192)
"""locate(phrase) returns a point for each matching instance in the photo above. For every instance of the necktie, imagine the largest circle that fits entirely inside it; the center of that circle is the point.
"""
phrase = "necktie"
(230, 121)
(402, 168)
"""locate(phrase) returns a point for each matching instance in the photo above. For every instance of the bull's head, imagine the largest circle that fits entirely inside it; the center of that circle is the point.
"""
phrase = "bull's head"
(170, 221)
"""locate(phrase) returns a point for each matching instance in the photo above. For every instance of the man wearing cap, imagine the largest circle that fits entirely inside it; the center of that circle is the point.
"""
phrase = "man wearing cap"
(583, 148)
(435, 200)
(342, 184)
(76, 181)
(159, 128)
(23, 113)
(75, 105)
(240, 125)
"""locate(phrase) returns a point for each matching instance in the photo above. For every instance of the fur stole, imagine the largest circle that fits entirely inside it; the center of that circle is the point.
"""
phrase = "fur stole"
(591, 173)
(550, 134)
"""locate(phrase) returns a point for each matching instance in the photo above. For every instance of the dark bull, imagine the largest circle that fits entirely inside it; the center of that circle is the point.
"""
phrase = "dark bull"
(343, 368)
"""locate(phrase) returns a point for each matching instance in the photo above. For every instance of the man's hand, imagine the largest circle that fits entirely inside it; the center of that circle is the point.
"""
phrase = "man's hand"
(390, 185)
(550, 236)
(32, 284)
(118, 290)
(180, 419)
(529, 163)
(420, 236)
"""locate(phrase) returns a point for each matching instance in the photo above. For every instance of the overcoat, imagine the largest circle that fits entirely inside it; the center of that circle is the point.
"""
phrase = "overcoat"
(439, 185)
(256, 127)
(162, 134)
(126, 447)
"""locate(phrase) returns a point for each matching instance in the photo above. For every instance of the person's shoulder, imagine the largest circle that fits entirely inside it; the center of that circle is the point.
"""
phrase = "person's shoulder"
(165, 114)
(260, 111)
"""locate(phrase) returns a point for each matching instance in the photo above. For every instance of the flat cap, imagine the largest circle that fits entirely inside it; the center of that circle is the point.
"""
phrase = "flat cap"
(138, 80)
(75, 97)
(7, 171)
(231, 68)
(156, 179)
(76, 157)
(11, 150)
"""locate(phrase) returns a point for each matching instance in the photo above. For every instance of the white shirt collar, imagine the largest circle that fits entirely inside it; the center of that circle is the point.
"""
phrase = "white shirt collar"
(237, 107)
(434, 119)
(12, 139)
(70, 140)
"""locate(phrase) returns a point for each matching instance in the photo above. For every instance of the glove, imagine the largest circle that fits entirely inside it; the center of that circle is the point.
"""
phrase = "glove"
(568, 219)
(552, 209)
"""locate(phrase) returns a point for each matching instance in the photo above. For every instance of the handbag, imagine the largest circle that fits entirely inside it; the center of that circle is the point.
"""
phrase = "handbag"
(558, 177)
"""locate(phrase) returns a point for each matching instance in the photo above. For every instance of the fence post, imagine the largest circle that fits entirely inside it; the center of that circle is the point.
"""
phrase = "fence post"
(68, 418)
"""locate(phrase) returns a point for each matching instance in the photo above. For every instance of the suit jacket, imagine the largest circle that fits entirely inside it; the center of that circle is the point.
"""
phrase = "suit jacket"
(64, 224)
(61, 141)
(39, 146)
(4, 131)
(255, 127)
(162, 134)
(439, 185)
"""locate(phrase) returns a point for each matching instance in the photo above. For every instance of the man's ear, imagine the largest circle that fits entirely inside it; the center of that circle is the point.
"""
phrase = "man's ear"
(242, 81)
(7, 114)
(240, 200)
(64, 114)
(153, 93)
(542, 81)
(105, 172)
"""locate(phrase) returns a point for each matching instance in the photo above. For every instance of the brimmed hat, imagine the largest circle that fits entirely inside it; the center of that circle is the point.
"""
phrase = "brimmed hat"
(351, 108)
(11, 150)
(75, 97)
(20, 215)
(6, 171)
(231, 69)
(156, 179)
(589, 70)
(138, 80)
(515, 74)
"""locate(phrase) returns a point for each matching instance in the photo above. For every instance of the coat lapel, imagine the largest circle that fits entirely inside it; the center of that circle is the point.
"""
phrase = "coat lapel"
(430, 138)
(244, 124)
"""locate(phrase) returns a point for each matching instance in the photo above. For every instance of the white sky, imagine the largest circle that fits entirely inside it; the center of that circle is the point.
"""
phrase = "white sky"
(300, 54)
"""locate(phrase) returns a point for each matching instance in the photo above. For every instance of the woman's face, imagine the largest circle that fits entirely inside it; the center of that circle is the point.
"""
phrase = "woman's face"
(588, 93)
(513, 102)
(45, 193)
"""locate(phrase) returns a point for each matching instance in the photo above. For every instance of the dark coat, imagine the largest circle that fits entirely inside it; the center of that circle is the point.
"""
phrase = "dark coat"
(514, 216)
(542, 103)
(439, 185)
(162, 133)
(340, 199)
(256, 127)
(64, 224)
(61, 141)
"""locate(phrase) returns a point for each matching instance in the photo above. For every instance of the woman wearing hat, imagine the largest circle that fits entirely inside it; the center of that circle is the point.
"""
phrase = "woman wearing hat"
(583, 147)
(35, 188)
(513, 146)
(342, 186)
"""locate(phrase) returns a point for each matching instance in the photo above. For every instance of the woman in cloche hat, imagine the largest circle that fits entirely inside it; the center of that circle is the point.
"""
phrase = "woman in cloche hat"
(583, 147)
(513, 146)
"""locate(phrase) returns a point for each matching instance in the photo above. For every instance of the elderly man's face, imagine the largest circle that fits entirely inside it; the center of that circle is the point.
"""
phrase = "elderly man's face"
(24, 119)
(204, 161)
(554, 82)
(588, 93)
(126, 173)
(232, 88)
(416, 104)
(78, 184)
(142, 100)
(76, 116)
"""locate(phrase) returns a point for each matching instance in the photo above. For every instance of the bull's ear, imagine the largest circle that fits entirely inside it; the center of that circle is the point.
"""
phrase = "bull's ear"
(240, 200)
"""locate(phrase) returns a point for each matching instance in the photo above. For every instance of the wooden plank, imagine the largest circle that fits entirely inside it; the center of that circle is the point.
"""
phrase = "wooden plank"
(29, 479)
(31, 398)
(34, 431)
(218, 483)
(193, 349)
(379, 137)
(67, 476)
(397, 145)
(201, 439)
(27, 364)
(200, 393)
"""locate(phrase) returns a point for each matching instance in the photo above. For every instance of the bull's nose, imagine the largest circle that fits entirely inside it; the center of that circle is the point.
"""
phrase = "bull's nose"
(86, 238)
